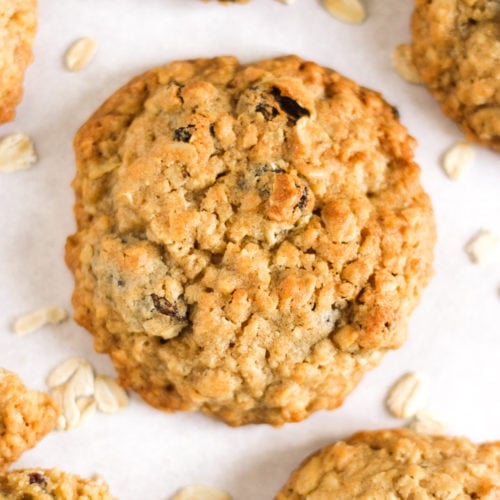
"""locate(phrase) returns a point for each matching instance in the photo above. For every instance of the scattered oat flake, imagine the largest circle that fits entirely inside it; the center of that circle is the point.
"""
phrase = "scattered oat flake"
(64, 371)
(79, 393)
(57, 395)
(61, 423)
(87, 407)
(458, 160)
(425, 423)
(17, 152)
(407, 396)
(33, 321)
(201, 493)
(109, 396)
(349, 11)
(402, 61)
(70, 408)
(80, 53)
(287, 2)
(83, 380)
(483, 247)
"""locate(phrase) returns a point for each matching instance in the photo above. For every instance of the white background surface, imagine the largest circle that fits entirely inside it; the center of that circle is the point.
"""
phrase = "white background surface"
(143, 453)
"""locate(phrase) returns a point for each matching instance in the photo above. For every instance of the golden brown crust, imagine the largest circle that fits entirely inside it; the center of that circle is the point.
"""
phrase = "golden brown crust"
(398, 463)
(251, 239)
(456, 48)
(25, 417)
(53, 484)
(17, 31)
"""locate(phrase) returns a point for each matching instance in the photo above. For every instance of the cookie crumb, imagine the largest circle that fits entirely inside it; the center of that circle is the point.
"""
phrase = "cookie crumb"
(424, 422)
(201, 493)
(458, 160)
(483, 247)
(349, 11)
(17, 152)
(80, 53)
(35, 320)
(407, 396)
(402, 62)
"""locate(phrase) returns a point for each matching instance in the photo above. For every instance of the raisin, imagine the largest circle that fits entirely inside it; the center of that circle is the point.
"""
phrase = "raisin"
(263, 169)
(164, 306)
(292, 108)
(395, 112)
(37, 478)
(303, 198)
(268, 112)
(184, 133)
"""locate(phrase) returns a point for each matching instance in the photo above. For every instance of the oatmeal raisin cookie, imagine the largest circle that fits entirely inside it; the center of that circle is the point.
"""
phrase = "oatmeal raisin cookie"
(251, 238)
(456, 49)
(17, 31)
(53, 484)
(398, 463)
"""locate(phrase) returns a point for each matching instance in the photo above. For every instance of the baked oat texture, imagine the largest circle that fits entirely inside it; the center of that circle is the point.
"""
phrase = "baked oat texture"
(17, 31)
(25, 417)
(43, 484)
(398, 463)
(456, 48)
(251, 238)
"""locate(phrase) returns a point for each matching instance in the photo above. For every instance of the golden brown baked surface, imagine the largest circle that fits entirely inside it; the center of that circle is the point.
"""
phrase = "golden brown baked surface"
(398, 463)
(25, 417)
(456, 48)
(17, 31)
(53, 484)
(251, 239)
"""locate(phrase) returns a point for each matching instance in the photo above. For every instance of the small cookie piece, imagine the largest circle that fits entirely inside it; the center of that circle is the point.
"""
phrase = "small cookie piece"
(25, 417)
(397, 463)
(53, 484)
(251, 238)
(17, 31)
(456, 49)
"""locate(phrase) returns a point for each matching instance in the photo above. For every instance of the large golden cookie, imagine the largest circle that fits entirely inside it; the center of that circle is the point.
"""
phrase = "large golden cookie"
(456, 48)
(251, 238)
(398, 463)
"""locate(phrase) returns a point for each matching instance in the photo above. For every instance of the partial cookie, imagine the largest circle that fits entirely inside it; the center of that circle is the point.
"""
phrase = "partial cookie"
(251, 239)
(456, 48)
(25, 417)
(42, 484)
(398, 464)
(17, 31)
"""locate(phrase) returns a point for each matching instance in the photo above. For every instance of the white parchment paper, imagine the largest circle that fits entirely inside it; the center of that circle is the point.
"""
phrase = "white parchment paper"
(143, 453)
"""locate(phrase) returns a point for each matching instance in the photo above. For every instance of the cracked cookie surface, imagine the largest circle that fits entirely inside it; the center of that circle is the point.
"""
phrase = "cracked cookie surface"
(17, 31)
(456, 48)
(251, 238)
(50, 484)
(398, 463)
(25, 417)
